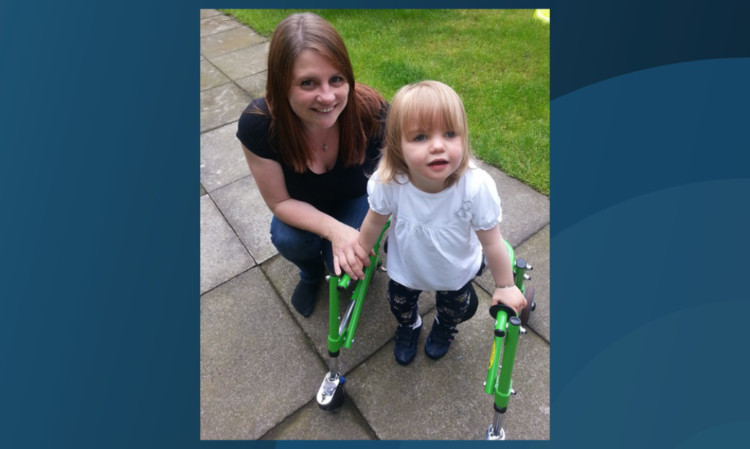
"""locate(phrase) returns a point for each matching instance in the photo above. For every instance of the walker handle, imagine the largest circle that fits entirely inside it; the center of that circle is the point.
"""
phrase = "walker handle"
(343, 282)
(494, 310)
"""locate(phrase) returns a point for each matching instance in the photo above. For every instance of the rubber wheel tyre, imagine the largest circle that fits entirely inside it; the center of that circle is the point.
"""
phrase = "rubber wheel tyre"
(336, 402)
(530, 305)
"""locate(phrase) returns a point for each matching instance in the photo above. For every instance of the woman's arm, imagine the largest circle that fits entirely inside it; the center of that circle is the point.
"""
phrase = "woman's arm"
(498, 261)
(269, 177)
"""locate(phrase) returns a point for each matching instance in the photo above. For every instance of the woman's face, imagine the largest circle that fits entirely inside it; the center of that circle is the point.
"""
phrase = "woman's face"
(318, 92)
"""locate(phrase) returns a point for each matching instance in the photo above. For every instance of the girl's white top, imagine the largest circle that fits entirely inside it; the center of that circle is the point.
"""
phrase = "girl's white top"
(432, 244)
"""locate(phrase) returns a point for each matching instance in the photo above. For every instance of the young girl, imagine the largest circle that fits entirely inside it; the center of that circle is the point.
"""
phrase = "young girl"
(445, 213)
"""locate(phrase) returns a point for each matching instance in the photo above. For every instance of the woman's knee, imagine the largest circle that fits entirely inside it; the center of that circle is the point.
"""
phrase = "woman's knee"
(290, 241)
(353, 211)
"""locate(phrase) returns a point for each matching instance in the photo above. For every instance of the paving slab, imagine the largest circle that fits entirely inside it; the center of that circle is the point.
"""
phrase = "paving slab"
(445, 399)
(528, 416)
(216, 22)
(211, 76)
(249, 346)
(222, 105)
(223, 256)
(233, 39)
(254, 85)
(222, 161)
(206, 13)
(311, 423)
(536, 252)
(525, 211)
(244, 62)
(248, 215)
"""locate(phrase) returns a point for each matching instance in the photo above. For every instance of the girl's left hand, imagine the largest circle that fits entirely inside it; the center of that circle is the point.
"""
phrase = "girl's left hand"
(511, 297)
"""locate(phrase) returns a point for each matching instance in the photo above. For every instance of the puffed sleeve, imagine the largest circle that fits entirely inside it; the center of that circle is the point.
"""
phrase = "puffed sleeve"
(486, 211)
(377, 195)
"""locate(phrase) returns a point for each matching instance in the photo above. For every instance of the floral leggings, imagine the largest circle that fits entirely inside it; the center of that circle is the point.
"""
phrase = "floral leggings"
(451, 305)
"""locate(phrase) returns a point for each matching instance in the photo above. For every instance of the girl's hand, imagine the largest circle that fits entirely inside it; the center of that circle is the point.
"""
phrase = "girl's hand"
(511, 297)
(348, 255)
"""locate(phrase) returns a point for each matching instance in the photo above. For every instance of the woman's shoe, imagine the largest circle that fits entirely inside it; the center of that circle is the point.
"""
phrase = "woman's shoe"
(304, 297)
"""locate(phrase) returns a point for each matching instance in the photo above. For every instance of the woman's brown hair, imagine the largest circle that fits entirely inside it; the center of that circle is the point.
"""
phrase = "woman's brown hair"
(358, 120)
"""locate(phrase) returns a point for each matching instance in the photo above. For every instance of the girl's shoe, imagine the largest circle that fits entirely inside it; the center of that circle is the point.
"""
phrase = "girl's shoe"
(439, 340)
(405, 344)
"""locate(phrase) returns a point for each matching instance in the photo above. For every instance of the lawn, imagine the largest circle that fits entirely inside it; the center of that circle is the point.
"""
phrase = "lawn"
(497, 61)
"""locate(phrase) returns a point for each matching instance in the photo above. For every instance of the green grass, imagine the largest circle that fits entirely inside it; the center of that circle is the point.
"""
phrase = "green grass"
(497, 61)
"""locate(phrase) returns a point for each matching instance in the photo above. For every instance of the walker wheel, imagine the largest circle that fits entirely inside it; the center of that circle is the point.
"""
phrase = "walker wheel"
(336, 401)
(530, 304)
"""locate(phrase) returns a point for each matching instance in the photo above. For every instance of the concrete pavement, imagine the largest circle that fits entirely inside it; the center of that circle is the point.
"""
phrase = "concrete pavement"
(262, 363)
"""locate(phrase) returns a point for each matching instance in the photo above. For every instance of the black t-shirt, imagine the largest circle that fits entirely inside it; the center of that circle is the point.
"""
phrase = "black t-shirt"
(324, 191)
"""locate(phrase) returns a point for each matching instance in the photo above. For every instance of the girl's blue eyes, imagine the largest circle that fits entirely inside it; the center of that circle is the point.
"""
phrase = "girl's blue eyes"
(421, 137)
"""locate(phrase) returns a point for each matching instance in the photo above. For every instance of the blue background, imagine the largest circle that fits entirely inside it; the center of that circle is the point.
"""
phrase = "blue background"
(99, 255)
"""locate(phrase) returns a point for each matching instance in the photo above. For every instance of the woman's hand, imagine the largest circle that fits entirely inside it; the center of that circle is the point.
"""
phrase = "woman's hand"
(348, 255)
(511, 297)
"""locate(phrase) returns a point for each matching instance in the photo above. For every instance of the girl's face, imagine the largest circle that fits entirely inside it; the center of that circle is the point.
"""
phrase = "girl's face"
(319, 92)
(431, 155)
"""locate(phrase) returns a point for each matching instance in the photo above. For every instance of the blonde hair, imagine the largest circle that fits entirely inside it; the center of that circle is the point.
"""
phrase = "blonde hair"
(425, 104)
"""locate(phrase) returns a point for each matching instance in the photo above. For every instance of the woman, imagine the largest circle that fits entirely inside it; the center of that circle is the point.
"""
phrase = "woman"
(310, 144)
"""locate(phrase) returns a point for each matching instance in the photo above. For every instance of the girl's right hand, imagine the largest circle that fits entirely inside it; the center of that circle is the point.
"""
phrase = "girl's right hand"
(511, 297)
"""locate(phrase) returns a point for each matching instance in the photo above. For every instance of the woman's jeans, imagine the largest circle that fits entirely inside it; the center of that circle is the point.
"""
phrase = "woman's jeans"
(309, 251)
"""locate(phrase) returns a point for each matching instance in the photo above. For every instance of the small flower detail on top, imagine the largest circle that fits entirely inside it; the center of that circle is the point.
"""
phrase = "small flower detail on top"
(465, 212)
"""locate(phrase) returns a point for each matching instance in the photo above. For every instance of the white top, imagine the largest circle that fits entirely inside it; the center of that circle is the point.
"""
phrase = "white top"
(432, 244)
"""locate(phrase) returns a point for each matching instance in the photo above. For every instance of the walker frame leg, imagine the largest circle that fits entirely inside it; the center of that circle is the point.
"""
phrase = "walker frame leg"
(341, 332)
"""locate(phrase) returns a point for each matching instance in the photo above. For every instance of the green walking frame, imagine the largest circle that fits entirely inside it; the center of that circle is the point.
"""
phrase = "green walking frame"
(508, 326)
